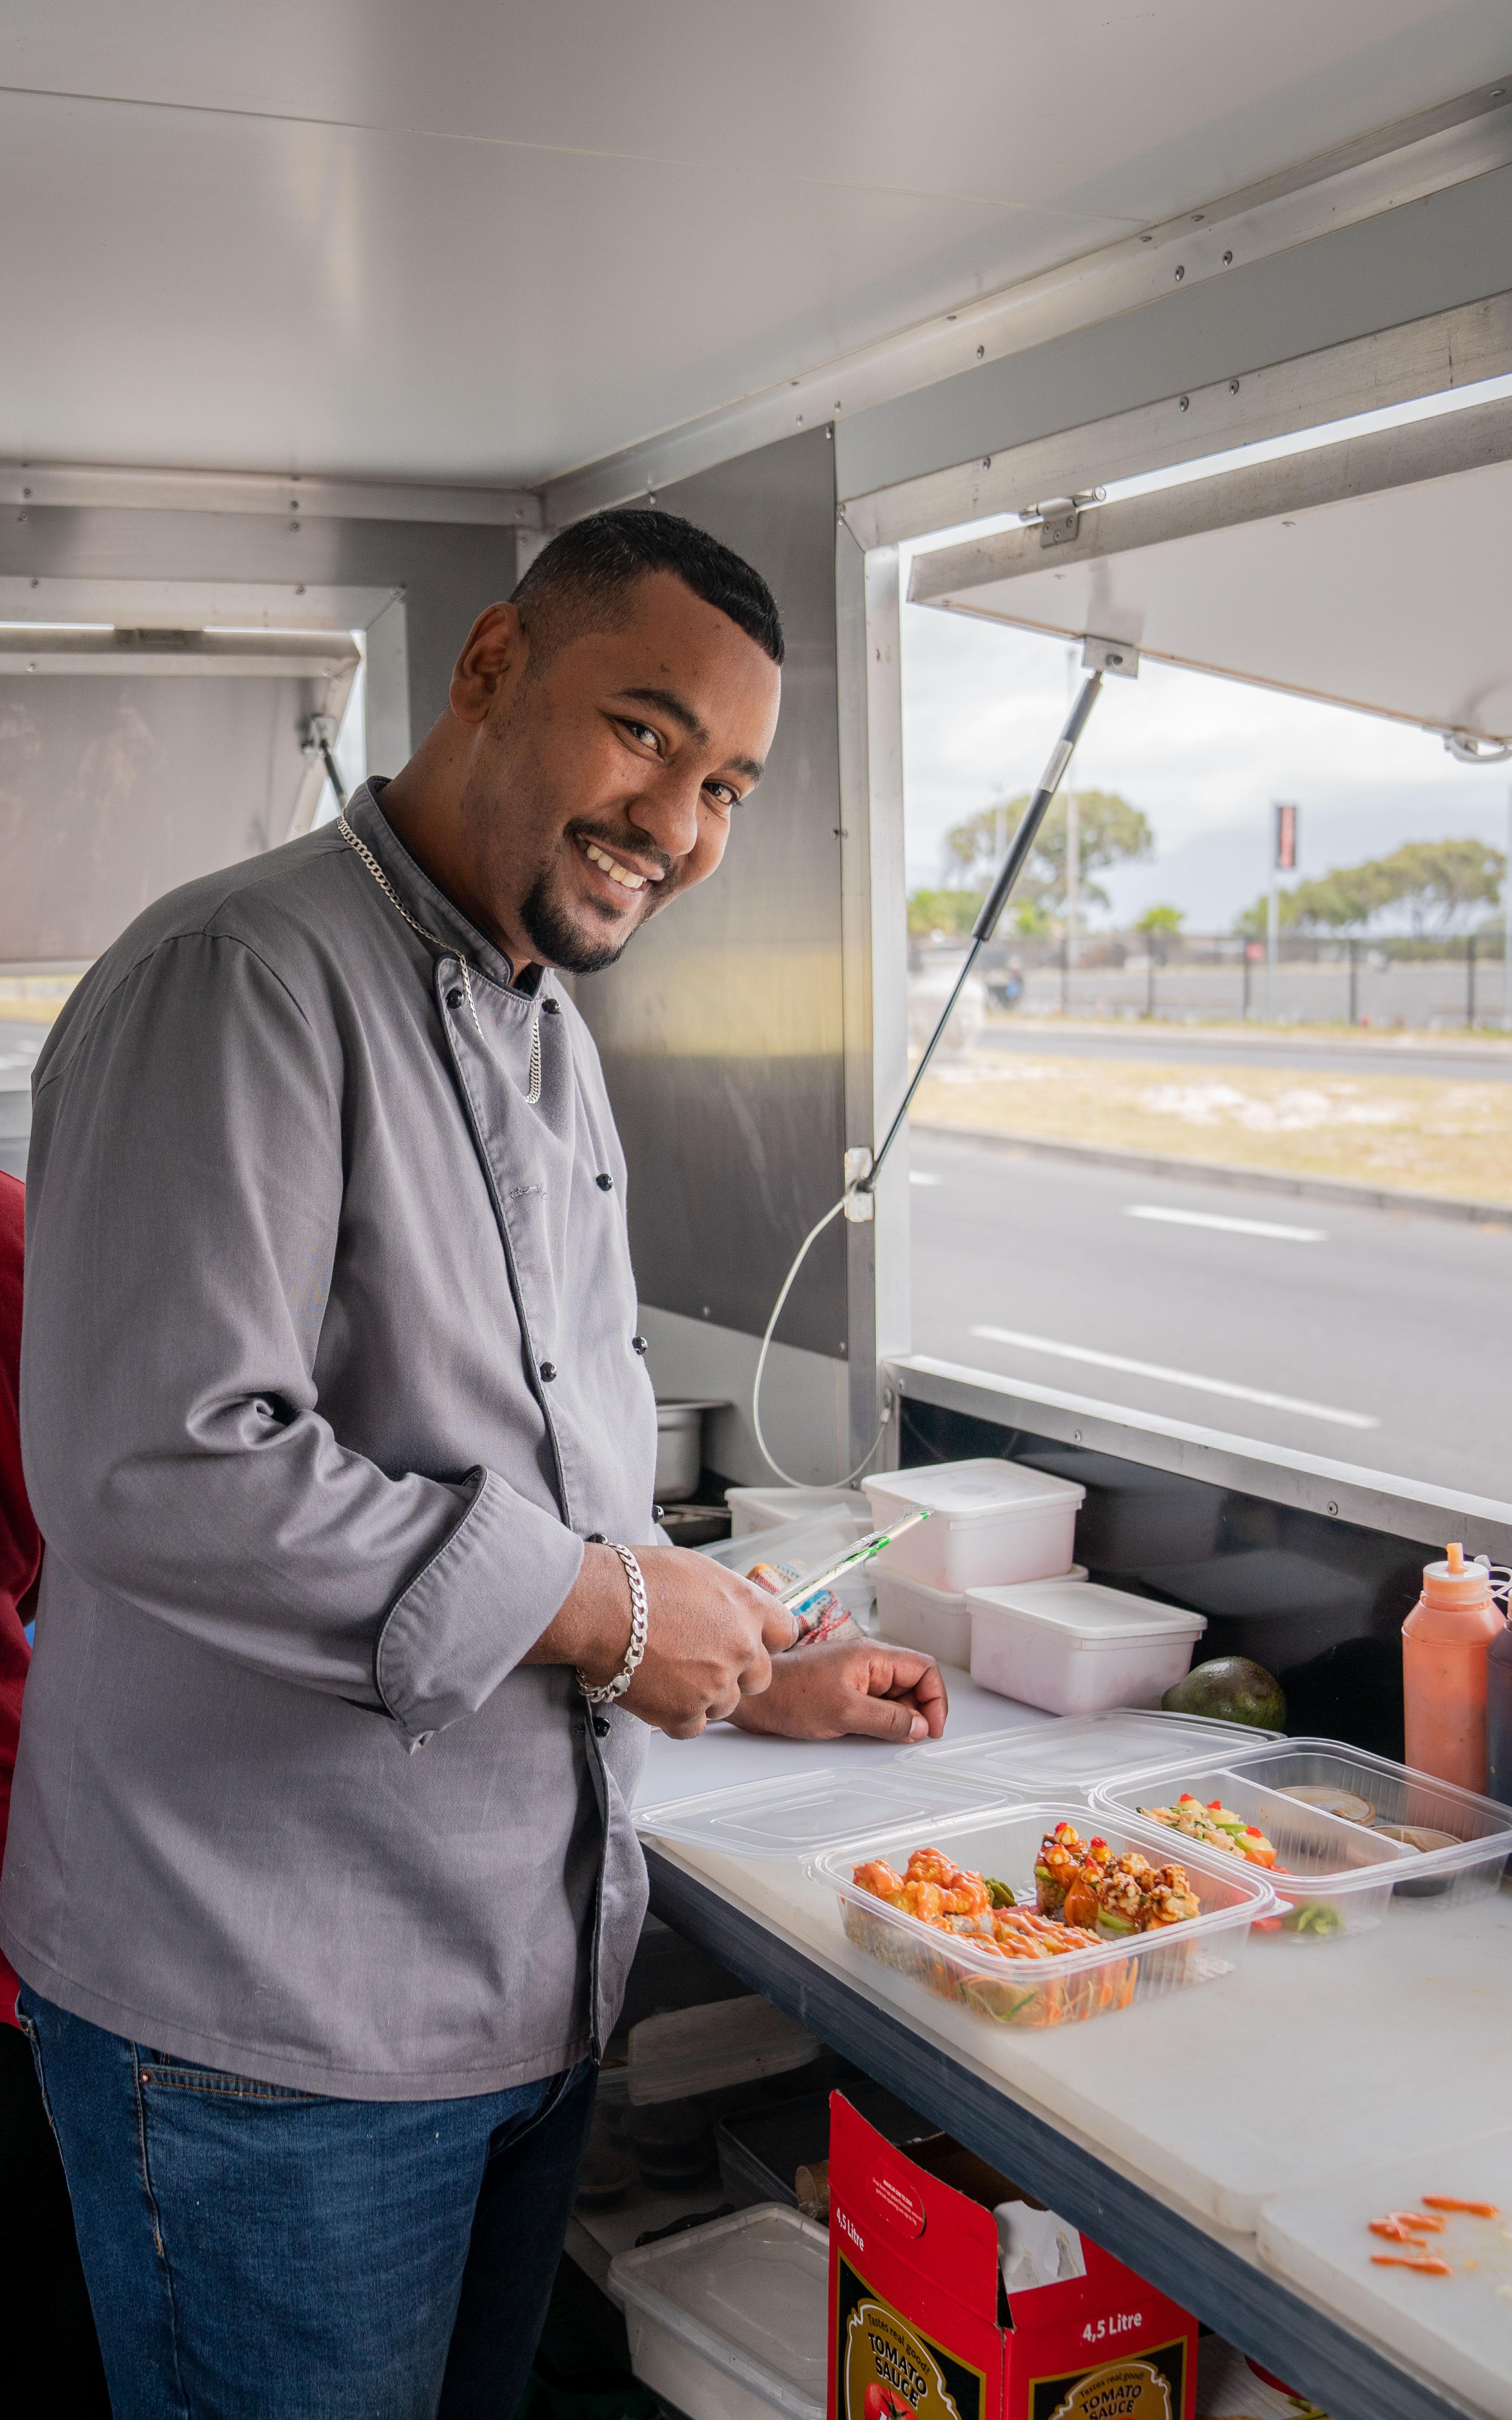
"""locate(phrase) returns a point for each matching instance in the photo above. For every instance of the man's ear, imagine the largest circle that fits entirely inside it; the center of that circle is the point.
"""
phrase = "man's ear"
(494, 654)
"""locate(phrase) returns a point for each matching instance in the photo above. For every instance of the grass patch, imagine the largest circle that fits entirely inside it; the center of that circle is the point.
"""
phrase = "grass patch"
(1417, 1134)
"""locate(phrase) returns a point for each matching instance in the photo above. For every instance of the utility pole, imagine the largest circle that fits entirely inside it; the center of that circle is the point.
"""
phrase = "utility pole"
(1283, 860)
(1073, 884)
(1506, 924)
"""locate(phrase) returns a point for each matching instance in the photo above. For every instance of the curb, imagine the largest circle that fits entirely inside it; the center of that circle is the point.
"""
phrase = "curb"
(1220, 1171)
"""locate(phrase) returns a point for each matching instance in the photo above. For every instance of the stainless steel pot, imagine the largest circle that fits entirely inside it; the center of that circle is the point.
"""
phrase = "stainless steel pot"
(680, 1446)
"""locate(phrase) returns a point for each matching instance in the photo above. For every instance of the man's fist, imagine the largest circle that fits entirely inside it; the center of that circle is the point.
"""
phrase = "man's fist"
(710, 1637)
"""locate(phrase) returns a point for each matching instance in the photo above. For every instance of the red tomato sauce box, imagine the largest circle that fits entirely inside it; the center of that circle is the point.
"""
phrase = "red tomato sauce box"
(920, 2327)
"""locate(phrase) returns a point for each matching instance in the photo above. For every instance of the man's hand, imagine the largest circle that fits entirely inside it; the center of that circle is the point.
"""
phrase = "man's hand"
(710, 1637)
(849, 1684)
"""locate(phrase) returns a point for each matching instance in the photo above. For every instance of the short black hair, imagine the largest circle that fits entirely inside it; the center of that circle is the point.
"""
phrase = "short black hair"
(591, 565)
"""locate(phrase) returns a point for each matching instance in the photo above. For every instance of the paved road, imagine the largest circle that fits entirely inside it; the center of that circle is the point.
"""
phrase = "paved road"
(1380, 1338)
(1486, 1063)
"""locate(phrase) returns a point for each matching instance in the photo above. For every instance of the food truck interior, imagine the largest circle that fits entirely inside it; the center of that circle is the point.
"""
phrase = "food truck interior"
(1174, 337)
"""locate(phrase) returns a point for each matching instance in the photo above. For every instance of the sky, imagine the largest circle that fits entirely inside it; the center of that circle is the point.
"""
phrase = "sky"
(1203, 757)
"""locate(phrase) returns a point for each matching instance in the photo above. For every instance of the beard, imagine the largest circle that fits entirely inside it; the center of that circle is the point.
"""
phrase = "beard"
(558, 939)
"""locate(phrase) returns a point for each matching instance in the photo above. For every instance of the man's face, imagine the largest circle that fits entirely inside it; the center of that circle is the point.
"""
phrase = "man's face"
(601, 782)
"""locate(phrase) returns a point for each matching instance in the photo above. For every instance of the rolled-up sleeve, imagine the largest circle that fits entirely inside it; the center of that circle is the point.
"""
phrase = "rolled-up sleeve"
(181, 1237)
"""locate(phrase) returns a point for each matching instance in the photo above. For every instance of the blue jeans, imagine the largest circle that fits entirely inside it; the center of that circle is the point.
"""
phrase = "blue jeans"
(254, 2253)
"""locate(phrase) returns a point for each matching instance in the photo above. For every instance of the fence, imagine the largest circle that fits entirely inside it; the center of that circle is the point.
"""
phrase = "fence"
(1448, 987)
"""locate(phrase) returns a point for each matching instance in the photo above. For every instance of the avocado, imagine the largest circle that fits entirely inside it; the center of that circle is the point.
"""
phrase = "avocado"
(1229, 1690)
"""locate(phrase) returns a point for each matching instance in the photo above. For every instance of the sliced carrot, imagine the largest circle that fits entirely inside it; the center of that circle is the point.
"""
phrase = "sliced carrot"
(1425, 2266)
(1471, 2208)
(1393, 2230)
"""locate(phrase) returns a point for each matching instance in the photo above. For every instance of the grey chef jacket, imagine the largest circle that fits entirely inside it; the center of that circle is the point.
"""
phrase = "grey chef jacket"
(327, 1371)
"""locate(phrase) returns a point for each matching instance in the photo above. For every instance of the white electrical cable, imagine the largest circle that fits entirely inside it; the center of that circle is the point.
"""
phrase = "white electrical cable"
(767, 1455)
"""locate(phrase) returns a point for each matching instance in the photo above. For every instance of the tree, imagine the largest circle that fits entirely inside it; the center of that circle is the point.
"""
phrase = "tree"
(1110, 832)
(1160, 926)
(1433, 882)
(942, 911)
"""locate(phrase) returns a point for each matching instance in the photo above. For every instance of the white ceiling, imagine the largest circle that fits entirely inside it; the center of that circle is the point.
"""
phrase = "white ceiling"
(490, 243)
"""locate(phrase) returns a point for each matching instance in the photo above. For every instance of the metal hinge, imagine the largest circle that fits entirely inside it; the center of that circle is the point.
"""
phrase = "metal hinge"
(1110, 656)
(1061, 517)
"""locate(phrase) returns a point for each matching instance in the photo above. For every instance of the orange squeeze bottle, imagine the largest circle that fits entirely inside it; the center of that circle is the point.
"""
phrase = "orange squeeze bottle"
(1445, 1643)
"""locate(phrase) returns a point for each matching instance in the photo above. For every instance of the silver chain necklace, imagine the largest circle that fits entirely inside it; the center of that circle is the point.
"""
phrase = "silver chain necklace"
(437, 943)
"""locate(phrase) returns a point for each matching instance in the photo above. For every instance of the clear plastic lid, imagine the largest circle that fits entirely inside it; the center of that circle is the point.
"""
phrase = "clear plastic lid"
(1072, 1755)
(971, 1491)
(1084, 1610)
(794, 1815)
(750, 2293)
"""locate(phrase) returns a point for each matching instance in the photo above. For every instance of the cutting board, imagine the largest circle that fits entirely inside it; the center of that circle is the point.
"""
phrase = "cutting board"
(1294, 2069)
(1457, 2329)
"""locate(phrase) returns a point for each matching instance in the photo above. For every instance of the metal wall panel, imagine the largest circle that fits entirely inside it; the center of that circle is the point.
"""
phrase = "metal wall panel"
(445, 574)
(113, 790)
(721, 1029)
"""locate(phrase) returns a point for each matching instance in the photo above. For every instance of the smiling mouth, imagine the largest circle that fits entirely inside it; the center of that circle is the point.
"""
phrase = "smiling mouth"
(622, 874)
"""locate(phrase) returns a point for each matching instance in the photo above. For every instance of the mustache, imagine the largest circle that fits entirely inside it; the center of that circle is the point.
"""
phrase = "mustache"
(634, 844)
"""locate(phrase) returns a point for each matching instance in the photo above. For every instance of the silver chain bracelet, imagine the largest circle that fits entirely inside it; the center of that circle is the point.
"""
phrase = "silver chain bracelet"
(639, 1619)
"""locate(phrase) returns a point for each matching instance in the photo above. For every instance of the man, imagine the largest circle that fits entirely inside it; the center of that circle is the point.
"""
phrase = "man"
(322, 1883)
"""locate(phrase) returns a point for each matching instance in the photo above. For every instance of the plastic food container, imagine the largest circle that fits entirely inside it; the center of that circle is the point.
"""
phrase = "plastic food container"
(1354, 1871)
(1075, 1648)
(1038, 1991)
(729, 2321)
(936, 1620)
(753, 1509)
(990, 1521)
(794, 1815)
(1070, 1759)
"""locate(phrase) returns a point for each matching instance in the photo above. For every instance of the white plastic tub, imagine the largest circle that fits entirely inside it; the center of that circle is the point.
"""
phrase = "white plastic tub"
(1038, 1991)
(1075, 1648)
(989, 1522)
(753, 1509)
(936, 1620)
(729, 2321)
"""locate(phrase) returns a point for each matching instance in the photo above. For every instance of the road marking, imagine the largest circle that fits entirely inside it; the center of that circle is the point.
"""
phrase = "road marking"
(1229, 1226)
(917, 1177)
(1178, 1378)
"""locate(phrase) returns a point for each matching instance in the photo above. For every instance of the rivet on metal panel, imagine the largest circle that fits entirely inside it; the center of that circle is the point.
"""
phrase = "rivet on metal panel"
(1076, 1436)
(1180, 272)
(986, 462)
(21, 517)
(294, 526)
(1233, 386)
(1229, 260)
(25, 491)
(981, 352)
(1333, 1508)
(1197, 217)
(1147, 238)
(1183, 403)
(37, 584)
(300, 590)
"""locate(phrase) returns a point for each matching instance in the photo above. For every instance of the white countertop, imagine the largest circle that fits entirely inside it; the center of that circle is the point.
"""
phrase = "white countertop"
(723, 1756)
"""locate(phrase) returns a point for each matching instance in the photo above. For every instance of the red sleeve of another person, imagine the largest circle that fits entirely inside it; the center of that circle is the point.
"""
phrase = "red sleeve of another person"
(21, 1548)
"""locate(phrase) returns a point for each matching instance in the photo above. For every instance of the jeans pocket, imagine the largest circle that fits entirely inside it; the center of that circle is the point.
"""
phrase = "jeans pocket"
(28, 2028)
(160, 2067)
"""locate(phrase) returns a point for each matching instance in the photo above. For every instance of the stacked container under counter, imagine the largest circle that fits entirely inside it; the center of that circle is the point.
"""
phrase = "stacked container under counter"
(990, 1580)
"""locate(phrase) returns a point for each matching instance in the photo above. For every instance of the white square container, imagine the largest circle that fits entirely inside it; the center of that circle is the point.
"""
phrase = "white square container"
(1353, 1873)
(937, 1621)
(1075, 1648)
(1038, 1991)
(988, 1521)
(762, 1508)
(731, 2321)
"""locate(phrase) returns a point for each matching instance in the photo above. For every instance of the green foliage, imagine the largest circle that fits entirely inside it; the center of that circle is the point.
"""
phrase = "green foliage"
(1110, 832)
(942, 911)
(1430, 881)
(1161, 920)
